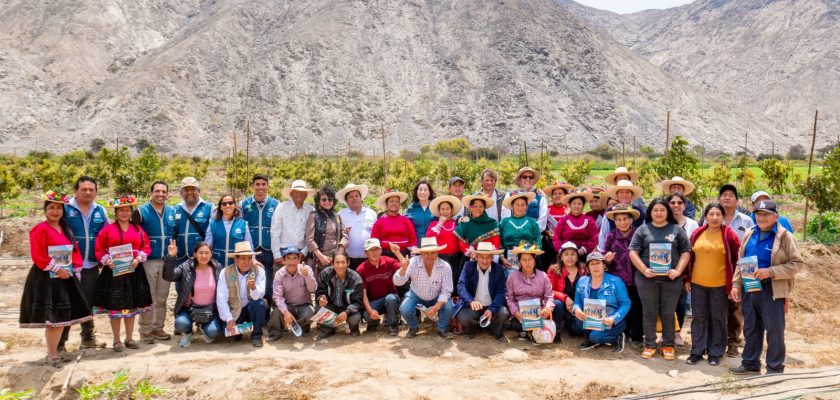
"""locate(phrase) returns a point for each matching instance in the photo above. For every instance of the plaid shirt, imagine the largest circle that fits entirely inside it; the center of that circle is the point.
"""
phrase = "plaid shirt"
(439, 285)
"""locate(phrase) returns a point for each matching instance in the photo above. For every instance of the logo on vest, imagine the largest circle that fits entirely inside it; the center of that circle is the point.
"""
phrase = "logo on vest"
(177, 216)
(73, 213)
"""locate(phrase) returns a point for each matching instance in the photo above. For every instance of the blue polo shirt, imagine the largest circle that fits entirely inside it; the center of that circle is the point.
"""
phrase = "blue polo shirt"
(761, 248)
(782, 220)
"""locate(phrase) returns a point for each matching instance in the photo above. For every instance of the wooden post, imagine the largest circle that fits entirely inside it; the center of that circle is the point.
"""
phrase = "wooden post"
(384, 159)
(667, 132)
(623, 152)
(525, 143)
(634, 153)
(248, 147)
(744, 179)
(542, 155)
(810, 162)
(232, 188)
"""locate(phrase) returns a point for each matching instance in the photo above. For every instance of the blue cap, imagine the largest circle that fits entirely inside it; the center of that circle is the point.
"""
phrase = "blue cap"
(290, 250)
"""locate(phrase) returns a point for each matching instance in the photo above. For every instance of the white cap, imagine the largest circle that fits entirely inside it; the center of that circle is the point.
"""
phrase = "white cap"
(758, 194)
(371, 243)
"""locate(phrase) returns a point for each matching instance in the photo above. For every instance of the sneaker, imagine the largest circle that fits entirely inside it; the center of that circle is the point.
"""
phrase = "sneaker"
(257, 341)
(446, 335)
(742, 370)
(159, 334)
(186, 340)
(694, 358)
(678, 340)
(732, 351)
(668, 353)
(208, 339)
(147, 339)
(648, 353)
(92, 343)
(587, 345)
(412, 332)
(393, 330)
(771, 371)
(618, 346)
(714, 361)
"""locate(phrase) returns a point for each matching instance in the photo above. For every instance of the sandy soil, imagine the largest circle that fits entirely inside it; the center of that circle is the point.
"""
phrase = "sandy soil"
(427, 367)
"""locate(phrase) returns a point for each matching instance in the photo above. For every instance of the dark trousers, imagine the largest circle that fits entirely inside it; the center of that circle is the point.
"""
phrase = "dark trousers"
(633, 328)
(734, 324)
(401, 290)
(682, 306)
(708, 320)
(610, 335)
(302, 314)
(659, 299)
(88, 284)
(550, 255)
(254, 312)
(389, 306)
(352, 319)
(565, 319)
(763, 314)
(456, 264)
(356, 262)
(469, 320)
(266, 258)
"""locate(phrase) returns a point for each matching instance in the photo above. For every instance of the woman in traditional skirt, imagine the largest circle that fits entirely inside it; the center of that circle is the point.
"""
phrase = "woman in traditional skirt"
(126, 295)
(52, 298)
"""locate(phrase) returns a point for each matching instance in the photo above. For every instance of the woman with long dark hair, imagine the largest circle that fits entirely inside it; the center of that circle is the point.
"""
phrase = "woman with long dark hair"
(418, 211)
(52, 296)
(325, 233)
(226, 229)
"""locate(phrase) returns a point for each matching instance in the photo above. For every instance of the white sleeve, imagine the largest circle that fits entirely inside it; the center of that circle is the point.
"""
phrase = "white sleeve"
(222, 298)
(259, 292)
(505, 211)
(274, 231)
(541, 221)
(603, 230)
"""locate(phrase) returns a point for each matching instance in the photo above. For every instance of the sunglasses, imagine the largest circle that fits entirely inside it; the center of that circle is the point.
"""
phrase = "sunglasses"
(676, 203)
(327, 199)
(228, 203)
(527, 177)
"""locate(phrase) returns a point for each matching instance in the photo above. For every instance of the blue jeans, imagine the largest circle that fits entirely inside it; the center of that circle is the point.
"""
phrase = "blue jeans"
(390, 305)
(254, 312)
(605, 336)
(564, 319)
(408, 310)
(184, 324)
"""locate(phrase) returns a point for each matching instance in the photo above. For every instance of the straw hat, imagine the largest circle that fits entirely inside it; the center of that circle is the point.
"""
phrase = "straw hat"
(55, 197)
(488, 201)
(611, 178)
(430, 245)
(508, 201)
(622, 209)
(435, 204)
(585, 194)
(242, 249)
(526, 248)
(558, 184)
(486, 248)
(612, 191)
(351, 187)
(687, 185)
(298, 185)
(523, 170)
(125, 201)
(382, 200)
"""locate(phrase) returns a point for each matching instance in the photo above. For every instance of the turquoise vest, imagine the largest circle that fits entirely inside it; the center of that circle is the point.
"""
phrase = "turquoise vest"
(224, 242)
(259, 220)
(160, 228)
(186, 236)
(85, 234)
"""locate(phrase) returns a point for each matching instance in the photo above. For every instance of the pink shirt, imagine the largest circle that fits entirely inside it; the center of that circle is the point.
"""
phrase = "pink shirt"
(204, 288)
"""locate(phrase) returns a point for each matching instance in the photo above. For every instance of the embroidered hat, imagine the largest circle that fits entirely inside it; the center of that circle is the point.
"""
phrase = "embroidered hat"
(55, 197)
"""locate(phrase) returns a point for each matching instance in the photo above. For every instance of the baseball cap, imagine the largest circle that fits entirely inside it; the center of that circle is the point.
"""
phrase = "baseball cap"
(766, 206)
(455, 179)
(758, 194)
(372, 243)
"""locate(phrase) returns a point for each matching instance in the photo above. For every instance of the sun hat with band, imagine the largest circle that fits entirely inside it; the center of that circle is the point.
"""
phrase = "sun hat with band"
(55, 197)
(452, 200)
(688, 186)
(488, 201)
(508, 201)
(612, 178)
(430, 245)
(382, 201)
(583, 194)
(243, 249)
(341, 195)
(298, 185)
(612, 191)
(622, 209)
(486, 248)
(548, 190)
(522, 171)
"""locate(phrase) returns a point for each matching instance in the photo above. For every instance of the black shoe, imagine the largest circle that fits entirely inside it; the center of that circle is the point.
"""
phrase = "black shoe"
(714, 361)
(446, 335)
(774, 371)
(742, 370)
(237, 338)
(502, 339)
(274, 338)
(355, 331)
(587, 345)
(393, 330)
(324, 335)
(257, 342)
(618, 346)
(469, 336)
(694, 358)
(412, 332)
(557, 338)
(371, 328)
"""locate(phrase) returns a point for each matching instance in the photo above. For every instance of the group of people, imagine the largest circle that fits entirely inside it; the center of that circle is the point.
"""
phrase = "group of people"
(465, 262)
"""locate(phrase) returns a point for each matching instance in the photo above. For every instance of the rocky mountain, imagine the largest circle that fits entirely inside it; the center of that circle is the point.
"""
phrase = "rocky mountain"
(779, 58)
(328, 75)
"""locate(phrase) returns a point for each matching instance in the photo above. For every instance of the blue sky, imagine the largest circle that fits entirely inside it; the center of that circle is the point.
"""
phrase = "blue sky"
(629, 6)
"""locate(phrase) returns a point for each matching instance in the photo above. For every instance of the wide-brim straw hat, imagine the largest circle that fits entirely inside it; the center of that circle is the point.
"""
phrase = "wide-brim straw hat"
(486, 248)
(125, 201)
(54, 197)
(508, 201)
(242, 249)
(341, 195)
(558, 185)
(622, 209)
(688, 186)
(611, 178)
(523, 170)
(382, 200)
(488, 201)
(430, 245)
(298, 186)
(435, 204)
(612, 191)
(585, 194)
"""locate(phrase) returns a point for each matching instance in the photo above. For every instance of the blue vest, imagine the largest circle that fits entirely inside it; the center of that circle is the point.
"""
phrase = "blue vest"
(186, 236)
(160, 228)
(86, 234)
(224, 242)
(259, 220)
(534, 208)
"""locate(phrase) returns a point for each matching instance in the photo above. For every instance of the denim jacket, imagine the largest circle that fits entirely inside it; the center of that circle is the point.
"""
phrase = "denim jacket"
(612, 290)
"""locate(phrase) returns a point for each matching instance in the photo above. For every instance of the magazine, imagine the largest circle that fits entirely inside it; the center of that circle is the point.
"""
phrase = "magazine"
(246, 327)
(748, 266)
(596, 311)
(425, 311)
(530, 310)
(325, 317)
(660, 258)
(62, 257)
(551, 224)
(122, 257)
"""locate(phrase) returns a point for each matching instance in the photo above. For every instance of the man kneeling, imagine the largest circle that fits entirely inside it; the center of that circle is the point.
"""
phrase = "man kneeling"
(240, 298)
(293, 286)
(340, 291)
(431, 287)
(482, 290)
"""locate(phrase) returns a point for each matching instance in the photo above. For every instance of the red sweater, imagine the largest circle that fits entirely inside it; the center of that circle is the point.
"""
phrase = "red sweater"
(558, 282)
(584, 233)
(445, 236)
(394, 229)
(41, 237)
(110, 237)
(379, 281)
(731, 245)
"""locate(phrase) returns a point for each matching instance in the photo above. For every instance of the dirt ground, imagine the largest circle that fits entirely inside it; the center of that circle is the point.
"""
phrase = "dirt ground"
(427, 367)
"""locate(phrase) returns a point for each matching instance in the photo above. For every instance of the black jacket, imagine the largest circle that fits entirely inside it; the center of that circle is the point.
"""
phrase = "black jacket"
(185, 273)
(346, 297)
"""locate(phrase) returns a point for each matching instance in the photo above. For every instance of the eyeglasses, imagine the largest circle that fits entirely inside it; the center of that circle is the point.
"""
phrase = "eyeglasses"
(327, 199)
(527, 177)
(676, 203)
(228, 203)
